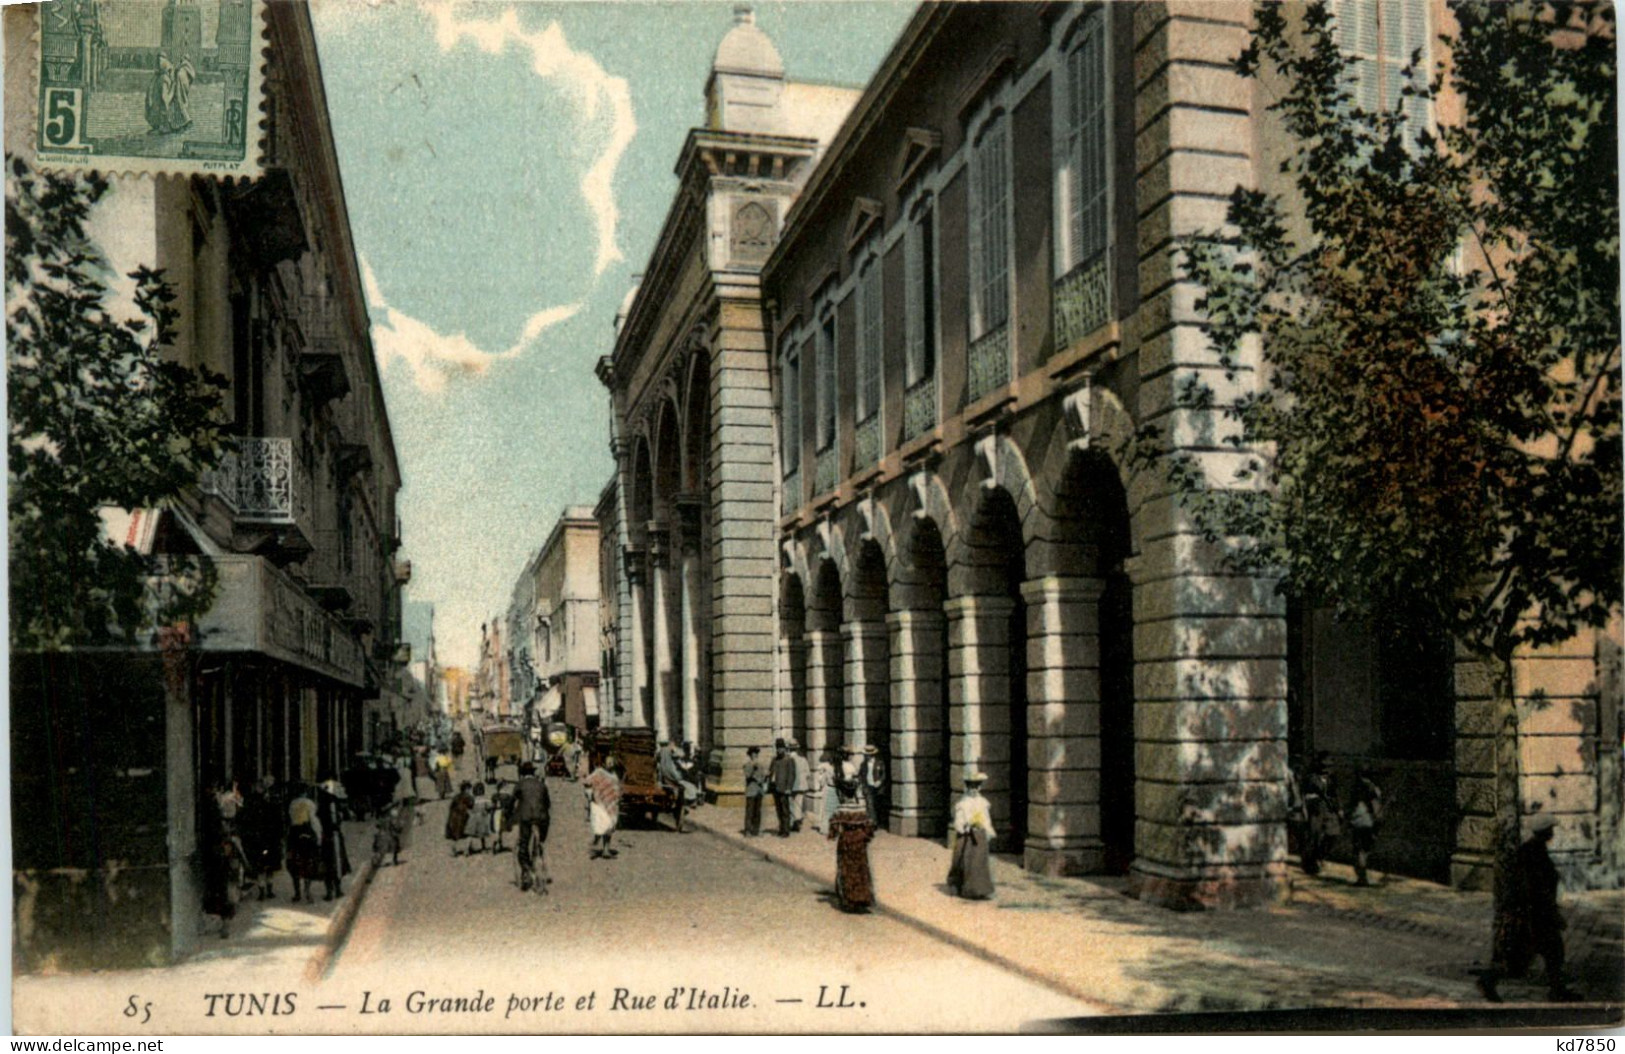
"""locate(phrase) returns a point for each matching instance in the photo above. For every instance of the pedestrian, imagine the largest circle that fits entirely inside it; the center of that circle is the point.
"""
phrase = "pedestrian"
(783, 778)
(442, 775)
(1365, 816)
(1324, 824)
(407, 788)
(533, 811)
(755, 788)
(669, 770)
(798, 801)
(222, 866)
(260, 822)
(423, 776)
(457, 745)
(335, 855)
(873, 780)
(479, 819)
(457, 816)
(304, 844)
(572, 760)
(851, 830)
(971, 875)
(501, 814)
(386, 836)
(829, 767)
(818, 778)
(1529, 923)
(603, 790)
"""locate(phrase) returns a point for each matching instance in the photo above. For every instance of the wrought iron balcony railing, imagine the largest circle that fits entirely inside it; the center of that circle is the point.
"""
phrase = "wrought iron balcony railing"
(259, 480)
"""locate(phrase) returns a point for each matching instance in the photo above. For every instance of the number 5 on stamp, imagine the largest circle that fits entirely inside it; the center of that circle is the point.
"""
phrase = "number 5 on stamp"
(62, 119)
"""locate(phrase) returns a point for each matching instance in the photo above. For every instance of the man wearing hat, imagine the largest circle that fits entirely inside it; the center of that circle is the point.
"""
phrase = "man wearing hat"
(970, 874)
(798, 803)
(1530, 923)
(784, 785)
(872, 777)
(670, 770)
(755, 787)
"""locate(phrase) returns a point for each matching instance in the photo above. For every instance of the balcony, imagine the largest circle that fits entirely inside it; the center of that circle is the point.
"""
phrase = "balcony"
(866, 443)
(920, 408)
(257, 608)
(403, 571)
(325, 577)
(1083, 300)
(260, 483)
(792, 493)
(989, 362)
(825, 473)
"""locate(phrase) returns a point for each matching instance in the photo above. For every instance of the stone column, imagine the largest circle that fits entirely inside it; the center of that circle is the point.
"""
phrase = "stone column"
(742, 530)
(825, 726)
(865, 677)
(640, 665)
(1063, 724)
(919, 722)
(661, 680)
(1209, 646)
(979, 698)
(690, 586)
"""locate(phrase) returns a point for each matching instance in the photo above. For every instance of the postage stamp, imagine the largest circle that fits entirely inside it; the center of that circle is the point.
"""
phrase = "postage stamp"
(150, 86)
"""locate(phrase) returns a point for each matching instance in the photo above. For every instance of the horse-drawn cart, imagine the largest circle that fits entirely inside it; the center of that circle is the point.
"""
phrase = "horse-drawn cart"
(642, 793)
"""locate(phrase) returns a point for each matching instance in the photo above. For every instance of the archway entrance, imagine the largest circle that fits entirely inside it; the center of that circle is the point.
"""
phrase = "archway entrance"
(868, 667)
(990, 730)
(793, 656)
(923, 792)
(826, 706)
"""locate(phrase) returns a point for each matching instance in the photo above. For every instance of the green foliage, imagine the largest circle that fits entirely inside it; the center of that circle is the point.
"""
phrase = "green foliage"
(98, 417)
(1437, 317)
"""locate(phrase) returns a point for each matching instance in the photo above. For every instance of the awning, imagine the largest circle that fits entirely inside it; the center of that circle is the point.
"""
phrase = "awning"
(164, 529)
(551, 701)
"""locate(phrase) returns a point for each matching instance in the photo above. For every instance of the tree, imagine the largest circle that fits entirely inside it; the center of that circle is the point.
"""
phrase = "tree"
(1435, 432)
(98, 417)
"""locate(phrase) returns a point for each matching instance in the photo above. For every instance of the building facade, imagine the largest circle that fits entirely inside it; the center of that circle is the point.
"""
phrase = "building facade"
(692, 415)
(607, 513)
(298, 521)
(970, 304)
(553, 627)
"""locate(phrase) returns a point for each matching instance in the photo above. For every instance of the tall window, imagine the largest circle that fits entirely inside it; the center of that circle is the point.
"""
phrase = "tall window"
(825, 394)
(919, 306)
(1083, 175)
(790, 417)
(871, 331)
(1379, 38)
(990, 226)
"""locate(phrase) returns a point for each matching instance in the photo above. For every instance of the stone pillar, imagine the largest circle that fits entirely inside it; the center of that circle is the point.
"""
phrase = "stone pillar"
(690, 586)
(1063, 725)
(865, 677)
(919, 784)
(640, 663)
(741, 532)
(660, 680)
(825, 725)
(979, 698)
(1209, 646)
(791, 719)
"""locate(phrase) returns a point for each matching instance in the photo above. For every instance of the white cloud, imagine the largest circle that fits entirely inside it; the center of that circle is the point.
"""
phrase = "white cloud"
(605, 101)
(435, 357)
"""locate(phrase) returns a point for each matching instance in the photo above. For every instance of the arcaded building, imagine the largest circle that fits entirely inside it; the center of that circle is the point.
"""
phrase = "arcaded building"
(692, 412)
(969, 305)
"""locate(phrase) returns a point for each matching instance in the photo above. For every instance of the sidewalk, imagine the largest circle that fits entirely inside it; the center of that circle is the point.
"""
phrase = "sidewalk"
(1399, 944)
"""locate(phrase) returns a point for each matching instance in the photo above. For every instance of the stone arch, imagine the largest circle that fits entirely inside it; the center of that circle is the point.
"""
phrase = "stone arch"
(640, 503)
(987, 617)
(1000, 465)
(792, 718)
(667, 453)
(696, 402)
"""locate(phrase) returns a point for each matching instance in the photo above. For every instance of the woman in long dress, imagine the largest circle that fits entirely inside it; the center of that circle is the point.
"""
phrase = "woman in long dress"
(970, 875)
(603, 790)
(852, 830)
(457, 816)
(479, 818)
(304, 844)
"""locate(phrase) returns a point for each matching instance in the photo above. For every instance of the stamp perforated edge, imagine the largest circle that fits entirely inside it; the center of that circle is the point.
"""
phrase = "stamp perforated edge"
(129, 166)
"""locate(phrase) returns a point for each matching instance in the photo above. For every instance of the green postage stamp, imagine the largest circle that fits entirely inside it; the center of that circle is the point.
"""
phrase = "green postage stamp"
(159, 86)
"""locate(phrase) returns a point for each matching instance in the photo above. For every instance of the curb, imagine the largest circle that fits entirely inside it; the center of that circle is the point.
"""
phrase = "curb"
(931, 929)
(338, 929)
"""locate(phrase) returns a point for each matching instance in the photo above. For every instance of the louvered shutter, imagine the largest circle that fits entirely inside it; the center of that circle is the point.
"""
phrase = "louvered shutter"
(1091, 159)
(913, 303)
(869, 346)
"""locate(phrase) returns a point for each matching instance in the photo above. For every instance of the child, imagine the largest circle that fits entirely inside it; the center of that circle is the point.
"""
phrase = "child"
(479, 818)
(386, 837)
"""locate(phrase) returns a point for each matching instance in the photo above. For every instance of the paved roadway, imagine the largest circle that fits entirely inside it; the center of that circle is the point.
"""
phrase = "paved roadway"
(671, 912)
